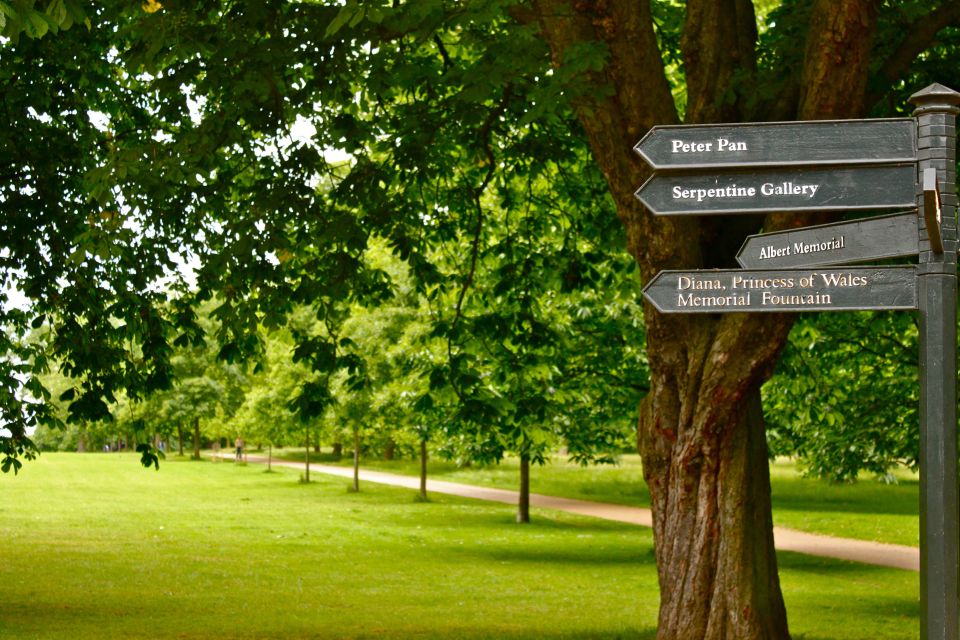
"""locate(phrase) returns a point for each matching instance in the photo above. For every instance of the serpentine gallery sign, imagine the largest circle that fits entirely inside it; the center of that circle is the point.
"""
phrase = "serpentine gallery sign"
(864, 166)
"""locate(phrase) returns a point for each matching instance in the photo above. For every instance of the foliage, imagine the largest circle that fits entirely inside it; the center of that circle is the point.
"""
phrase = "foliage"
(845, 396)
(26, 17)
(267, 414)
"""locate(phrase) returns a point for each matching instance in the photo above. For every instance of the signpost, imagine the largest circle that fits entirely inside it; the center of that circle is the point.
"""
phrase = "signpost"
(936, 113)
(839, 166)
(722, 291)
(824, 142)
(786, 189)
(875, 238)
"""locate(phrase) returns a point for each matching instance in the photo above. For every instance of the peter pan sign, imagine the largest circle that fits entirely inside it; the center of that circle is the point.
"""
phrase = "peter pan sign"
(831, 142)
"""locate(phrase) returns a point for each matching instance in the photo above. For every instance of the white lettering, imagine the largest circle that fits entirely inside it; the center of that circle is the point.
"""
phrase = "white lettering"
(844, 280)
(773, 299)
(789, 189)
(679, 146)
(726, 145)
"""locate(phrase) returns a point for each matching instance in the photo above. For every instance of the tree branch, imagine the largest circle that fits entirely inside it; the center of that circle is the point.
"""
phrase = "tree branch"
(837, 59)
(477, 194)
(447, 62)
(920, 33)
(719, 40)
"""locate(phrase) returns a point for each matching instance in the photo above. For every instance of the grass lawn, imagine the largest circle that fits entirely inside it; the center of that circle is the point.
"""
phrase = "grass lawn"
(97, 547)
(865, 510)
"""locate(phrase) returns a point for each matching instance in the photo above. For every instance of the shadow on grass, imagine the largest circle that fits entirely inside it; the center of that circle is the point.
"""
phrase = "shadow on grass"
(499, 634)
(626, 634)
(566, 556)
(803, 563)
(479, 514)
(862, 497)
(846, 591)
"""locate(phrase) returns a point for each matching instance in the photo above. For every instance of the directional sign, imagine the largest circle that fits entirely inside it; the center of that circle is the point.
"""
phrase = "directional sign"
(781, 143)
(789, 189)
(841, 243)
(843, 289)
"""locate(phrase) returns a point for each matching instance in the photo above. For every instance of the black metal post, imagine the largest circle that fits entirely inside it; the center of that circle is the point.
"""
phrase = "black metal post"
(936, 111)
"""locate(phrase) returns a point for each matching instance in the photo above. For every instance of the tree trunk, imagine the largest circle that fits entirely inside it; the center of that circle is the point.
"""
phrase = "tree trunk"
(523, 504)
(423, 468)
(713, 531)
(701, 431)
(196, 438)
(356, 460)
(390, 450)
(180, 439)
(306, 477)
(269, 457)
(337, 450)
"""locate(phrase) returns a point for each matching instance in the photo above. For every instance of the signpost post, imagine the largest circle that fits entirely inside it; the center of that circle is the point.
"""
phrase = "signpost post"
(839, 166)
(936, 112)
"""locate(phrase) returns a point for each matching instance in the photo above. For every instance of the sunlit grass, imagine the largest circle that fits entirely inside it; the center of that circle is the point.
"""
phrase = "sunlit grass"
(96, 547)
(864, 510)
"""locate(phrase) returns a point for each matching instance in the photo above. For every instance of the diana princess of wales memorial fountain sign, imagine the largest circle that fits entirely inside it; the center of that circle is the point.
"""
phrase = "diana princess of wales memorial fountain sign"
(906, 166)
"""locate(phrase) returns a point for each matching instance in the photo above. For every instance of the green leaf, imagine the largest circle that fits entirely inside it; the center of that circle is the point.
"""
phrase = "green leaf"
(149, 456)
(347, 14)
(57, 11)
(36, 25)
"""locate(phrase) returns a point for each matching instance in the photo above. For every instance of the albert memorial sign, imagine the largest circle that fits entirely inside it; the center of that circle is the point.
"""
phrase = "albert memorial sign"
(896, 178)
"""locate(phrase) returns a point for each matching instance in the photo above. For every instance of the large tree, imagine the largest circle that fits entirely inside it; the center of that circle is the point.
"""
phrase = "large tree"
(166, 131)
(701, 427)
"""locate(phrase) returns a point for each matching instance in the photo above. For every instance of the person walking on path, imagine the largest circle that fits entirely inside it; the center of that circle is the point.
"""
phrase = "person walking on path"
(239, 445)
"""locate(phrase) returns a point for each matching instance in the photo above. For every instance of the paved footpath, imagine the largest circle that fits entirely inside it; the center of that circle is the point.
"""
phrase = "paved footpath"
(884, 555)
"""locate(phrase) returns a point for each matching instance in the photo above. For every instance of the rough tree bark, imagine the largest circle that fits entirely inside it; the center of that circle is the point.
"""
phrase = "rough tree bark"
(356, 460)
(196, 438)
(306, 464)
(701, 432)
(523, 502)
(423, 468)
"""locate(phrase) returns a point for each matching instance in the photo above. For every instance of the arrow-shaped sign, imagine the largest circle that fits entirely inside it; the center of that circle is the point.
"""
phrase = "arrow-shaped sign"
(730, 291)
(840, 243)
(787, 189)
(843, 142)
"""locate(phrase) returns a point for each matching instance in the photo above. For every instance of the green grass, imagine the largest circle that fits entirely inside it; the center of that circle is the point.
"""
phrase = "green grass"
(96, 547)
(864, 510)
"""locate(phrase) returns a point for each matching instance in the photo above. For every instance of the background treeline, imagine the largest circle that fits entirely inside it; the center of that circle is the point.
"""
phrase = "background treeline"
(843, 400)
